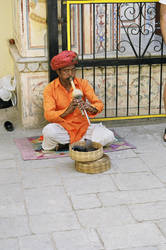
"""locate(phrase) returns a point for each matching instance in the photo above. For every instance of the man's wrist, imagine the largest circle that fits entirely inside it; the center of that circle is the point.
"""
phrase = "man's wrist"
(92, 109)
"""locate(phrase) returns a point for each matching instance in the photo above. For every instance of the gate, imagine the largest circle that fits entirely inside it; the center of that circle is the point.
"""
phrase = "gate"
(121, 52)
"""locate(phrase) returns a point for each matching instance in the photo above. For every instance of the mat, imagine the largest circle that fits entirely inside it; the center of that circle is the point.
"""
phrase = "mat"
(31, 149)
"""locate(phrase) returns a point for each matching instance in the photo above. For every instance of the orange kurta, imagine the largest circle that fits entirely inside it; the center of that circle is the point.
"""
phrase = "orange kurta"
(56, 101)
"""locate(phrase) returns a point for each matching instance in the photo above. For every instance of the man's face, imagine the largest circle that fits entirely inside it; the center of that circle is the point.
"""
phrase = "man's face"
(67, 72)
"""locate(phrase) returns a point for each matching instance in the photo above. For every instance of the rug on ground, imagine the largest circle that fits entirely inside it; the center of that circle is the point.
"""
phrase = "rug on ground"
(31, 148)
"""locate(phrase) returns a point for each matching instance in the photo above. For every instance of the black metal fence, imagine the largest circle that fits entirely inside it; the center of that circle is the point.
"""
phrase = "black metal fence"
(120, 41)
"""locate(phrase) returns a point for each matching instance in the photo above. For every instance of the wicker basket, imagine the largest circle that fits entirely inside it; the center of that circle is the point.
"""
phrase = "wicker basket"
(94, 167)
(86, 156)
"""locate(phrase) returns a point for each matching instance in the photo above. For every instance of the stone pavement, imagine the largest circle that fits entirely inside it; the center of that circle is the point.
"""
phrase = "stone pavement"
(47, 205)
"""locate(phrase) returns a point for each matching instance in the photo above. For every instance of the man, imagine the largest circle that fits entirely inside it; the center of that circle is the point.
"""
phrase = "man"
(67, 124)
(163, 31)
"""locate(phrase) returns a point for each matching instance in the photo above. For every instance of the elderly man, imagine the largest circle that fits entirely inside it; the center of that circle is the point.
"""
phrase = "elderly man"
(163, 31)
(67, 124)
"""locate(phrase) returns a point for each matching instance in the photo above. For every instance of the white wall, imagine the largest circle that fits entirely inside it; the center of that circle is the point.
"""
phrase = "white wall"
(6, 32)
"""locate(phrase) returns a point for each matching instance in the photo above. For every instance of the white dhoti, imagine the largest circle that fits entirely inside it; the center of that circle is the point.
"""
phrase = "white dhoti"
(55, 134)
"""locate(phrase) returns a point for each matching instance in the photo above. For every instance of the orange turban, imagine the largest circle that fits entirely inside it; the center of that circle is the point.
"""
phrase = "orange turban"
(64, 59)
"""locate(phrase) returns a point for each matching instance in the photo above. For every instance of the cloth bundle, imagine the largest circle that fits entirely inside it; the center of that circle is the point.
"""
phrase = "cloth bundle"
(7, 88)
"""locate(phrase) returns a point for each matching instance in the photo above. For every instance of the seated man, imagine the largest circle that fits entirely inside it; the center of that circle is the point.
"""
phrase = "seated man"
(67, 122)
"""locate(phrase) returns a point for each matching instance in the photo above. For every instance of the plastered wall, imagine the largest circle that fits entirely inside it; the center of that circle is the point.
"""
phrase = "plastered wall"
(6, 32)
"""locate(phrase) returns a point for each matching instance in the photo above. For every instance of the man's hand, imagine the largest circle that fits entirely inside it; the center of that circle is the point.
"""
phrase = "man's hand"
(73, 105)
(90, 109)
(70, 108)
(81, 105)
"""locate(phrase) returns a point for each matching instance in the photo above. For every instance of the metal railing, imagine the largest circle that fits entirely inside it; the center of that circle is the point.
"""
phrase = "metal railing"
(121, 36)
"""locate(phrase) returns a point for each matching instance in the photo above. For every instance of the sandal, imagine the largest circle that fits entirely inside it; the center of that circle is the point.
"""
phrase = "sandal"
(9, 126)
(164, 135)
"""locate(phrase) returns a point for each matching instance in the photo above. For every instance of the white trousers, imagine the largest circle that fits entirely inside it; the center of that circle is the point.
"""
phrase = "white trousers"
(55, 134)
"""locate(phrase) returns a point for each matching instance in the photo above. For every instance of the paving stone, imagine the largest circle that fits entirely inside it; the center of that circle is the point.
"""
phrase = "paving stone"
(154, 161)
(8, 149)
(4, 134)
(11, 200)
(161, 247)
(132, 197)
(124, 154)
(77, 240)
(48, 205)
(36, 242)
(9, 244)
(132, 165)
(66, 167)
(31, 164)
(162, 225)
(146, 143)
(105, 217)
(128, 236)
(10, 145)
(48, 177)
(154, 129)
(46, 223)
(150, 147)
(149, 211)
(7, 156)
(14, 226)
(89, 184)
(43, 164)
(9, 176)
(47, 200)
(160, 173)
(8, 164)
(85, 201)
(129, 131)
(136, 181)
(142, 248)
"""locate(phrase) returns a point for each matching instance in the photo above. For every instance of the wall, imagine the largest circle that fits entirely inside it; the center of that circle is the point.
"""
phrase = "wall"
(6, 32)
(31, 70)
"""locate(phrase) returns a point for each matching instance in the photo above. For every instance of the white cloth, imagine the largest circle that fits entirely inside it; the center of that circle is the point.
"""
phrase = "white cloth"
(162, 1)
(102, 135)
(7, 87)
(53, 134)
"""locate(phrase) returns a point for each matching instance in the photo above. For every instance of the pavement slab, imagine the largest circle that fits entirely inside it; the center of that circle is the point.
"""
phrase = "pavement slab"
(48, 205)
(134, 235)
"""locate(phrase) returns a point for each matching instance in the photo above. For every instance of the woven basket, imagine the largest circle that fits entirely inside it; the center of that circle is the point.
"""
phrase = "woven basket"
(86, 156)
(94, 167)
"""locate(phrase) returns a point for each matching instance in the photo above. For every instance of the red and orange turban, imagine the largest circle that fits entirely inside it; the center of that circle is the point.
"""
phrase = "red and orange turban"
(64, 59)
